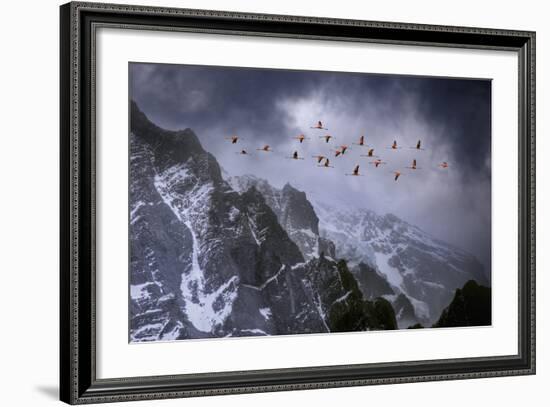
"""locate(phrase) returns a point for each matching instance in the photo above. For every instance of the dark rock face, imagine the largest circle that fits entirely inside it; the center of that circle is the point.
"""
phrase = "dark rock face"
(297, 212)
(327, 248)
(294, 212)
(471, 306)
(352, 313)
(372, 284)
(173, 147)
(207, 261)
(404, 311)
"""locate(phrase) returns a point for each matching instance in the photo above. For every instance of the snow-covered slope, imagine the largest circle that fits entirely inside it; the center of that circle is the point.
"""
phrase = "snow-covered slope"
(425, 269)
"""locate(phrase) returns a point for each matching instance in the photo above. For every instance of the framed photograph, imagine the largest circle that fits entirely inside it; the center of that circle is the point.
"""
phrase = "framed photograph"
(255, 203)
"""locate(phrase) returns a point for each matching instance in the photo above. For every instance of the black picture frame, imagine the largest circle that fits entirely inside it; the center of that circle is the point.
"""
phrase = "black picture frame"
(78, 381)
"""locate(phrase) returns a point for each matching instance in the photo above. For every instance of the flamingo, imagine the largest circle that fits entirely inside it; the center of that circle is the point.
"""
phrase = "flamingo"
(413, 166)
(394, 145)
(327, 138)
(377, 162)
(361, 141)
(319, 158)
(370, 153)
(337, 153)
(355, 171)
(444, 165)
(242, 152)
(295, 156)
(319, 126)
(343, 148)
(418, 146)
(233, 139)
(397, 174)
(300, 138)
(265, 148)
(326, 164)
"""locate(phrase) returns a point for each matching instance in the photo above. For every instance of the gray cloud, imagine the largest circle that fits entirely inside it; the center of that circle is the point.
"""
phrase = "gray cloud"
(452, 117)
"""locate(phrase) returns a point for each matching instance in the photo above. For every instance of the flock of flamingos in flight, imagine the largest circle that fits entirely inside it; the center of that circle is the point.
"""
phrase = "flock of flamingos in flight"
(324, 161)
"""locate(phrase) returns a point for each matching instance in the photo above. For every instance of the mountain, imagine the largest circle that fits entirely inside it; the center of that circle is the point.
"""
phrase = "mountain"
(207, 260)
(405, 312)
(294, 212)
(389, 257)
(373, 284)
(471, 306)
(426, 270)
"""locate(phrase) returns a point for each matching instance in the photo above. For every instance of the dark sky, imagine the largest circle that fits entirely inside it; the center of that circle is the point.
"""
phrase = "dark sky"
(452, 117)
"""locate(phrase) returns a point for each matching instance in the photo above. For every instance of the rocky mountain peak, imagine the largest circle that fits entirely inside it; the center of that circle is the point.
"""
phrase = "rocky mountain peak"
(171, 147)
(294, 212)
(297, 211)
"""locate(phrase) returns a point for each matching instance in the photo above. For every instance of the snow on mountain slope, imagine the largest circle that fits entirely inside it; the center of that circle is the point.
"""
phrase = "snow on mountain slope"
(425, 269)
(186, 225)
(188, 208)
(159, 249)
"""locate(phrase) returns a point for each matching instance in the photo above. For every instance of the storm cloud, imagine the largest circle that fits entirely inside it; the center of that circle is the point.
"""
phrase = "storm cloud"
(451, 116)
